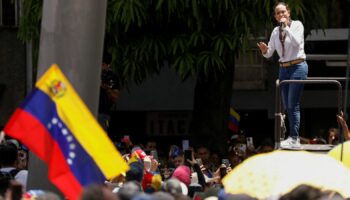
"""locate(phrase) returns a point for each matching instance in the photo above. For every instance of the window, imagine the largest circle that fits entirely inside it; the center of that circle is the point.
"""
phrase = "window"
(249, 71)
(9, 13)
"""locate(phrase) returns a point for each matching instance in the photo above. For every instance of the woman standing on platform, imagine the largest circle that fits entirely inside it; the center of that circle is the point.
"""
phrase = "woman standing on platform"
(288, 40)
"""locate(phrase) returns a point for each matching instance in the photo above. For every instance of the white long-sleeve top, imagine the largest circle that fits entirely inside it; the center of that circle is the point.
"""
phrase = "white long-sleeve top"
(293, 44)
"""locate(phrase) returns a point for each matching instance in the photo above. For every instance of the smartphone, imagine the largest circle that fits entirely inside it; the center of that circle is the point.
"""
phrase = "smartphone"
(243, 148)
(223, 172)
(199, 161)
(185, 145)
(188, 155)
(154, 153)
(250, 142)
(226, 162)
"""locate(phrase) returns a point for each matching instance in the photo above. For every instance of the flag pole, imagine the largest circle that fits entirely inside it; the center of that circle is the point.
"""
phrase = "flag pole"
(72, 35)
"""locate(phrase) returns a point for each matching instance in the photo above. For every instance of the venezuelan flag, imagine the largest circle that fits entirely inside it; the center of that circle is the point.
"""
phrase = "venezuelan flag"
(234, 119)
(55, 124)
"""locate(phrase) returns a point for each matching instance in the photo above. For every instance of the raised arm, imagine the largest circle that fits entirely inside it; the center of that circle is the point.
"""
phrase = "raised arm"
(296, 34)
(342, 122)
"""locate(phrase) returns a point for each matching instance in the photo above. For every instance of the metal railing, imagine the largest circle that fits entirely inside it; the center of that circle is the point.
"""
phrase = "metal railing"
(278, 106)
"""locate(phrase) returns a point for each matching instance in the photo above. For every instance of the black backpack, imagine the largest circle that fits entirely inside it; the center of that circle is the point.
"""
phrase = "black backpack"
(9, 175)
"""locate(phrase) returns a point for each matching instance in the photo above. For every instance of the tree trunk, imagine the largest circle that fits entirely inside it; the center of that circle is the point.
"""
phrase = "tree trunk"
(211, 110)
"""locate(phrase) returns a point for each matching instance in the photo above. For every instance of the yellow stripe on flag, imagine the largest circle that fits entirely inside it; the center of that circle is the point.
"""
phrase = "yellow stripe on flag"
(235, 114)
(78, 118)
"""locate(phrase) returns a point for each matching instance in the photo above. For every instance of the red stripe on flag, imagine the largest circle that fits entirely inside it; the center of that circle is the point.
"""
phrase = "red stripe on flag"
(26, 128)
(233, 127)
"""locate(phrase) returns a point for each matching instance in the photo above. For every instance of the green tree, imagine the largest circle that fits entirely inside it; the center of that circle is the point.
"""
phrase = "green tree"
(29, 29)
(197, 38)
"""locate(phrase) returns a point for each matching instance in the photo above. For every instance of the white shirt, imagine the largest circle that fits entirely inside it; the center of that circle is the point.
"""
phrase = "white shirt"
(293, 44)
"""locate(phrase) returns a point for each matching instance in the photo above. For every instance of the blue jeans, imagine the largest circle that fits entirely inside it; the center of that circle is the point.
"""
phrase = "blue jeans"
(291, 94)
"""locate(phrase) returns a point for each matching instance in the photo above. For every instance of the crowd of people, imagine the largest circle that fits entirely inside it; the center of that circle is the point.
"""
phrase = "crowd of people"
(173, 173)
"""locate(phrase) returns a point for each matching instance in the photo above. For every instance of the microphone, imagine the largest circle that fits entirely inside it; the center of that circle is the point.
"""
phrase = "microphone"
(281, 23)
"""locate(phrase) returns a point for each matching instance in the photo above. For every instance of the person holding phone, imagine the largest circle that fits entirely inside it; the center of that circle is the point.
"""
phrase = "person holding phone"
(204, 153)
(188, 156)
(195, 165)
(288, 40)
(225, 163)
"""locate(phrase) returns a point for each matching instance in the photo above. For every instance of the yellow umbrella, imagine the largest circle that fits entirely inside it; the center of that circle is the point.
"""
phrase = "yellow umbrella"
(276, 173)
(336, 153)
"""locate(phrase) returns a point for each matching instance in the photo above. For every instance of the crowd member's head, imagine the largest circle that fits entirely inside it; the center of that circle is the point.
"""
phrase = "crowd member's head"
(162, 196)
(236, 197)
(22, 161)
(9, 158)
(203, 153)
(234, 158)
(173, 186)
(175, 153)
(166, 172)
(306, 192)
(183, 174)
(333, 136)
(151, 145)
(266, 146)
(138, 152)
(97, 192)
(216, 158)
(129, 190)
(178, 160)
(8, 155)
(143, 196)
(22, 157)
(135, 172)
